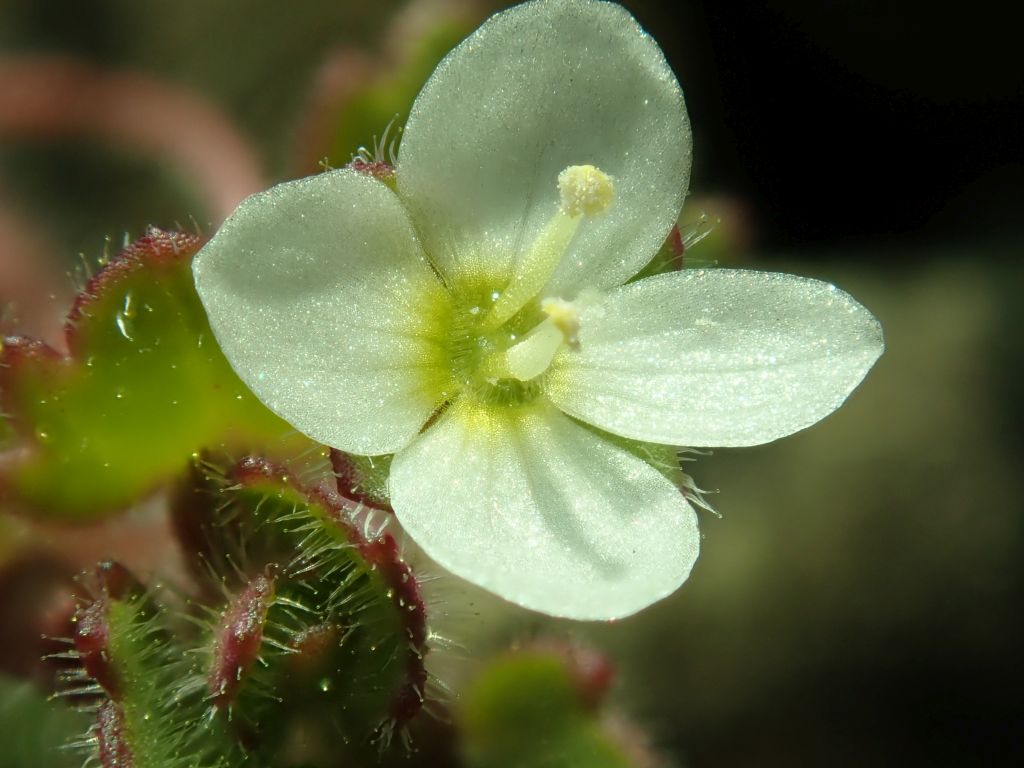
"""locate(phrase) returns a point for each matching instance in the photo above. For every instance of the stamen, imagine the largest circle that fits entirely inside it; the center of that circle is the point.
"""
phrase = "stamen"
(533, 355)
(585, 191)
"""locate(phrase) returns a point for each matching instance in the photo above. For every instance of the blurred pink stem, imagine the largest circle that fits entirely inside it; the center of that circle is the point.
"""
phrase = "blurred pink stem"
(31, 279)
(48, 97)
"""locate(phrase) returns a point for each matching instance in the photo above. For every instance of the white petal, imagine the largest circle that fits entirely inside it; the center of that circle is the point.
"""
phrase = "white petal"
(539, 88)
(715, 358)
(539, 510)
(317, 292)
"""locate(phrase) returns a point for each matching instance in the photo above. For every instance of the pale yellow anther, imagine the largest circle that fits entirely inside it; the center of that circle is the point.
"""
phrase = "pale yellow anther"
(585, 190)
(566, 317)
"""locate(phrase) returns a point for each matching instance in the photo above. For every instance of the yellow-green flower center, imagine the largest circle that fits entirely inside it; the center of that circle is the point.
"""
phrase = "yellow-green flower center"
(498, 335)
(473, 344)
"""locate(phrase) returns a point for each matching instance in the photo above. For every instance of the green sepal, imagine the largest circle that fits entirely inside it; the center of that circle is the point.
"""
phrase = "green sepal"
(363, 479)
(676, 252)
(669, 258)
(663, 458)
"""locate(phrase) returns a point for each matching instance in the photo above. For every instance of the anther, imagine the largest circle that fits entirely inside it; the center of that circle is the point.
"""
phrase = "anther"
(566, 317)
(585, 190)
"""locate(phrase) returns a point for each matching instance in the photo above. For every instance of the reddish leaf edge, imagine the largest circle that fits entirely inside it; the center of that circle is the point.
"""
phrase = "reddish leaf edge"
(157, 247)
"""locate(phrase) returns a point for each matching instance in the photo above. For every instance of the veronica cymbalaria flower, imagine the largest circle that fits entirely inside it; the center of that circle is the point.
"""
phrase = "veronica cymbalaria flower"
(476, 321)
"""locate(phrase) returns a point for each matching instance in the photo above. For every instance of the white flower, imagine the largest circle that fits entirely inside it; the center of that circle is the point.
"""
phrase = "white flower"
(476, 323)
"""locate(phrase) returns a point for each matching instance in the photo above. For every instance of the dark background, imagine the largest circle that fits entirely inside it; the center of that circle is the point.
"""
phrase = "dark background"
(856, 120)
(838, 122)
(859, 601)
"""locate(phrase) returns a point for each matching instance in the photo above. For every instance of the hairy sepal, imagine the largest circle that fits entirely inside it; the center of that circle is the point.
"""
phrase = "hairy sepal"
(324, 621)
(128, 648)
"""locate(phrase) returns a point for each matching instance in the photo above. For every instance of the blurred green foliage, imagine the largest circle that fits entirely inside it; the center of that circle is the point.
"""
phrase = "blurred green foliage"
(34, 731)
(525, 710)
(373, 106)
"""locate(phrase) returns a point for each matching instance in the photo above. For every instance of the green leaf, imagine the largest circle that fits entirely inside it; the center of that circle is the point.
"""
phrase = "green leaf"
(143, 389)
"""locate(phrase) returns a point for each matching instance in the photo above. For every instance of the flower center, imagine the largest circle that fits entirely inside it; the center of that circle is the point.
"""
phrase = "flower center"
(502, 341)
